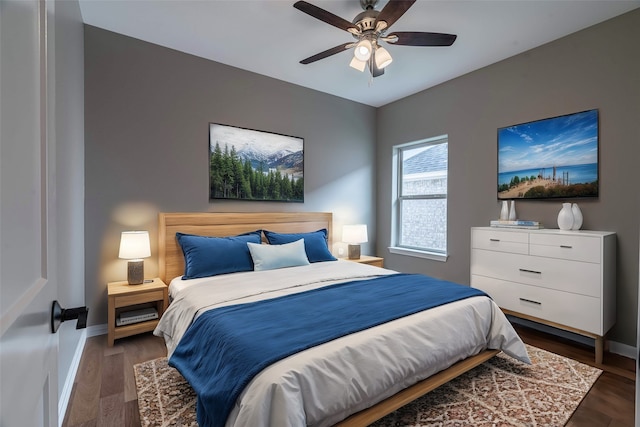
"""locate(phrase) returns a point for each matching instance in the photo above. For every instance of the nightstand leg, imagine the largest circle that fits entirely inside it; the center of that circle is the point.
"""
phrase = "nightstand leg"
(112, 322)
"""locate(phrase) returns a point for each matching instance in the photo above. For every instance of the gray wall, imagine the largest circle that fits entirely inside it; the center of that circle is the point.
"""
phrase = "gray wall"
(69, 153)
(147, 110)
(595, 68)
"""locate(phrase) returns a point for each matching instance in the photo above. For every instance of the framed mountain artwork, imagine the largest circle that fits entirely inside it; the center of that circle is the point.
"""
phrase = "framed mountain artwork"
(247, 164)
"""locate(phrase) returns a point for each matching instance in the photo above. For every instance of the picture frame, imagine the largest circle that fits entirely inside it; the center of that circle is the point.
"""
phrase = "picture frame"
(553, 158)
(255, 165)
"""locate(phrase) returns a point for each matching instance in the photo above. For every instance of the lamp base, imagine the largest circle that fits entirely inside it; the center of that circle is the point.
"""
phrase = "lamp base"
(354, 251)
(135, 272)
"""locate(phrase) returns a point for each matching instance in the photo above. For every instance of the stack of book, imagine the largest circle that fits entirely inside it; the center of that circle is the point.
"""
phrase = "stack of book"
(518, 223)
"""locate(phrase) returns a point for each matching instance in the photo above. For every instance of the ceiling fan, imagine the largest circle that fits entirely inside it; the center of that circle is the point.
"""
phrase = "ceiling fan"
(369, 29)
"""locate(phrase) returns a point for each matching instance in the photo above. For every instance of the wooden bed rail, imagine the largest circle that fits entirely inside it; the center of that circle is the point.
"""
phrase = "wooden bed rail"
(398, 400)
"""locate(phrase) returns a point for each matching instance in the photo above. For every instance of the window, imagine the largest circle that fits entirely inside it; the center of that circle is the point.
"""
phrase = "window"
(420, 208)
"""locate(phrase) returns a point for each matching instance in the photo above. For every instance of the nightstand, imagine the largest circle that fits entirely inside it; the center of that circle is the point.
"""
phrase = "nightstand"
(371, 260)
(124, 298)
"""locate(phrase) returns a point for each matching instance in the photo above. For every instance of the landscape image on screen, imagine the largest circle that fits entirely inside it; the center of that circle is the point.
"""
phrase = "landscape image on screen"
(550, 158)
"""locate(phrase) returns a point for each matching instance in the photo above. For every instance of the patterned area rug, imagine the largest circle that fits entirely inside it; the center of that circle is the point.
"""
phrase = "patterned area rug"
(500, 392)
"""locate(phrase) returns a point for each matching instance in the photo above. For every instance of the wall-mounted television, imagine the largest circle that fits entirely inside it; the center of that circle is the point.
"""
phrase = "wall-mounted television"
(554, 158)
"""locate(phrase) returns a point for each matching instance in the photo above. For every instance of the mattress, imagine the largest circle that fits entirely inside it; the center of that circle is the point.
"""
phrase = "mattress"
(325, 384)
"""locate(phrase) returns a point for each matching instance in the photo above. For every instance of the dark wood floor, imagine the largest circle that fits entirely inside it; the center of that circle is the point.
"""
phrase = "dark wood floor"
(104, 392)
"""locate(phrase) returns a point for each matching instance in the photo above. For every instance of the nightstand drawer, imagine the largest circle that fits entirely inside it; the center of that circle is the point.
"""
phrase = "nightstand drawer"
(127, 300)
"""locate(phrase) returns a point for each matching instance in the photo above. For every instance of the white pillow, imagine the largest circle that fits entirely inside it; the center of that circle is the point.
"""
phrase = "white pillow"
(270, 257)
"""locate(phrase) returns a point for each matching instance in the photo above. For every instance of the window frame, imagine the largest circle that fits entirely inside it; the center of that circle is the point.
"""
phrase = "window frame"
(398, 198)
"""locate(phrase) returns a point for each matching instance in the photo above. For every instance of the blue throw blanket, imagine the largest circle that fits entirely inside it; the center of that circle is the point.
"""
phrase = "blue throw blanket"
(225, 348)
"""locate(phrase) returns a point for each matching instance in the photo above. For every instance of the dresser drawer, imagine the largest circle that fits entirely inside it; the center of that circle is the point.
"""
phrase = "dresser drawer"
(568, 276)
(576, 311)
(565, 246)
(500, 240)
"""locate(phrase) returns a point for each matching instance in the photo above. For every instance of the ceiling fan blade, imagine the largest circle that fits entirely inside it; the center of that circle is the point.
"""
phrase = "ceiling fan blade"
(393, 10)
(325, 16)
(416, 38)
(326, 53)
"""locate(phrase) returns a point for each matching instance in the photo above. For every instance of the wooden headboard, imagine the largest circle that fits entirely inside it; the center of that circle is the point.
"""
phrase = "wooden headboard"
(220, 224)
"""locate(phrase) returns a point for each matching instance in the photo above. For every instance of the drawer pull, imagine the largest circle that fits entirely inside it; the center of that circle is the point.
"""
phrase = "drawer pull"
(530, 271)
(531, 301)
(494, 240)
(566, 246)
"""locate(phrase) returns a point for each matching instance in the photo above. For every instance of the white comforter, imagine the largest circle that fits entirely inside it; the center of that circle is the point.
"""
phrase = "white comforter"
(325, 384)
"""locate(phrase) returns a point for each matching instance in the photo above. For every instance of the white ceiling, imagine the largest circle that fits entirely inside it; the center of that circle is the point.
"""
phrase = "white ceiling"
(270, 37)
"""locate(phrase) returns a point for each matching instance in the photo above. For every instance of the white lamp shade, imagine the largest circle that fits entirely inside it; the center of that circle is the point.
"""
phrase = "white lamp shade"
(357, 64)
(383, 58)
(363, 50)
(134, 245)
(355, 233)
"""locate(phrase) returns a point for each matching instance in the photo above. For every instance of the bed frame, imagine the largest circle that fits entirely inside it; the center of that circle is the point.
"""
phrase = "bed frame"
(171, 264)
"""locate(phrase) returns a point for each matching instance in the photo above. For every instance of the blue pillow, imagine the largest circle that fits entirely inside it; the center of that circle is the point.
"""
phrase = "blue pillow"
(209, 256)
(270, 257)
(315, 243)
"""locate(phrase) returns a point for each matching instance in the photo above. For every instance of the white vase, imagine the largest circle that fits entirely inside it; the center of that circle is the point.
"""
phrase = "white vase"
(565, 217)
(577, 217)
(512, 211)
(504, 213)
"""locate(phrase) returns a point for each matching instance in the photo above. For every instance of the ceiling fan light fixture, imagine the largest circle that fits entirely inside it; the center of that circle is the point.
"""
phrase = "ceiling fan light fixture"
(383, 58)
(363, 50)
(357, 64)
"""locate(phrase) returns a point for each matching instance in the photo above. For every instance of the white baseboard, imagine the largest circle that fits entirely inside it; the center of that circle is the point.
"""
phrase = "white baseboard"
(622, 349)
(65, 395)
(95, 330)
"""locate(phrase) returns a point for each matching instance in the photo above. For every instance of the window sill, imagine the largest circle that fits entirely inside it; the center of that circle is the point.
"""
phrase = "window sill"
(418, 254)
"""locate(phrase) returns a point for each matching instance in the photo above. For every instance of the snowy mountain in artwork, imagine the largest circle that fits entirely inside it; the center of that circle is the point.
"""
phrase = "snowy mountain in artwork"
(272, 151)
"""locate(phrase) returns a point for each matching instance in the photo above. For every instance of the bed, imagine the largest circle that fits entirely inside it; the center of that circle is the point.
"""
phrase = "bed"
(353, 379)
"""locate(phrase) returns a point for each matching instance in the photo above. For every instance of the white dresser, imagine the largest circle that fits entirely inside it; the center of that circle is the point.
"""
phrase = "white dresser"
(565, 279)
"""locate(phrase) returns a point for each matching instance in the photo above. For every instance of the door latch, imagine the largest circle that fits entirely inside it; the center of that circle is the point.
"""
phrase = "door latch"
(59, 315)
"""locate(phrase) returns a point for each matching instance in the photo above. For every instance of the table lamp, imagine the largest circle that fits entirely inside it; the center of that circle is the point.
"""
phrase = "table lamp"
(354, 235)
(134, 246)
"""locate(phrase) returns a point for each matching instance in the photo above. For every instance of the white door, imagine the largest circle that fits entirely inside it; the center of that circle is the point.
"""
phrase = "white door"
(28, 349)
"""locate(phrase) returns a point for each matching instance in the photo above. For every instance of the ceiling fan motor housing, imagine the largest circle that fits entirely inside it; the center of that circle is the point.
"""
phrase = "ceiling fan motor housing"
(366, 21)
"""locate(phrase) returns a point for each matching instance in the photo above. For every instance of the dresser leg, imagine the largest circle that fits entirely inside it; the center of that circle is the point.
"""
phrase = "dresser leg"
(599, 344)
